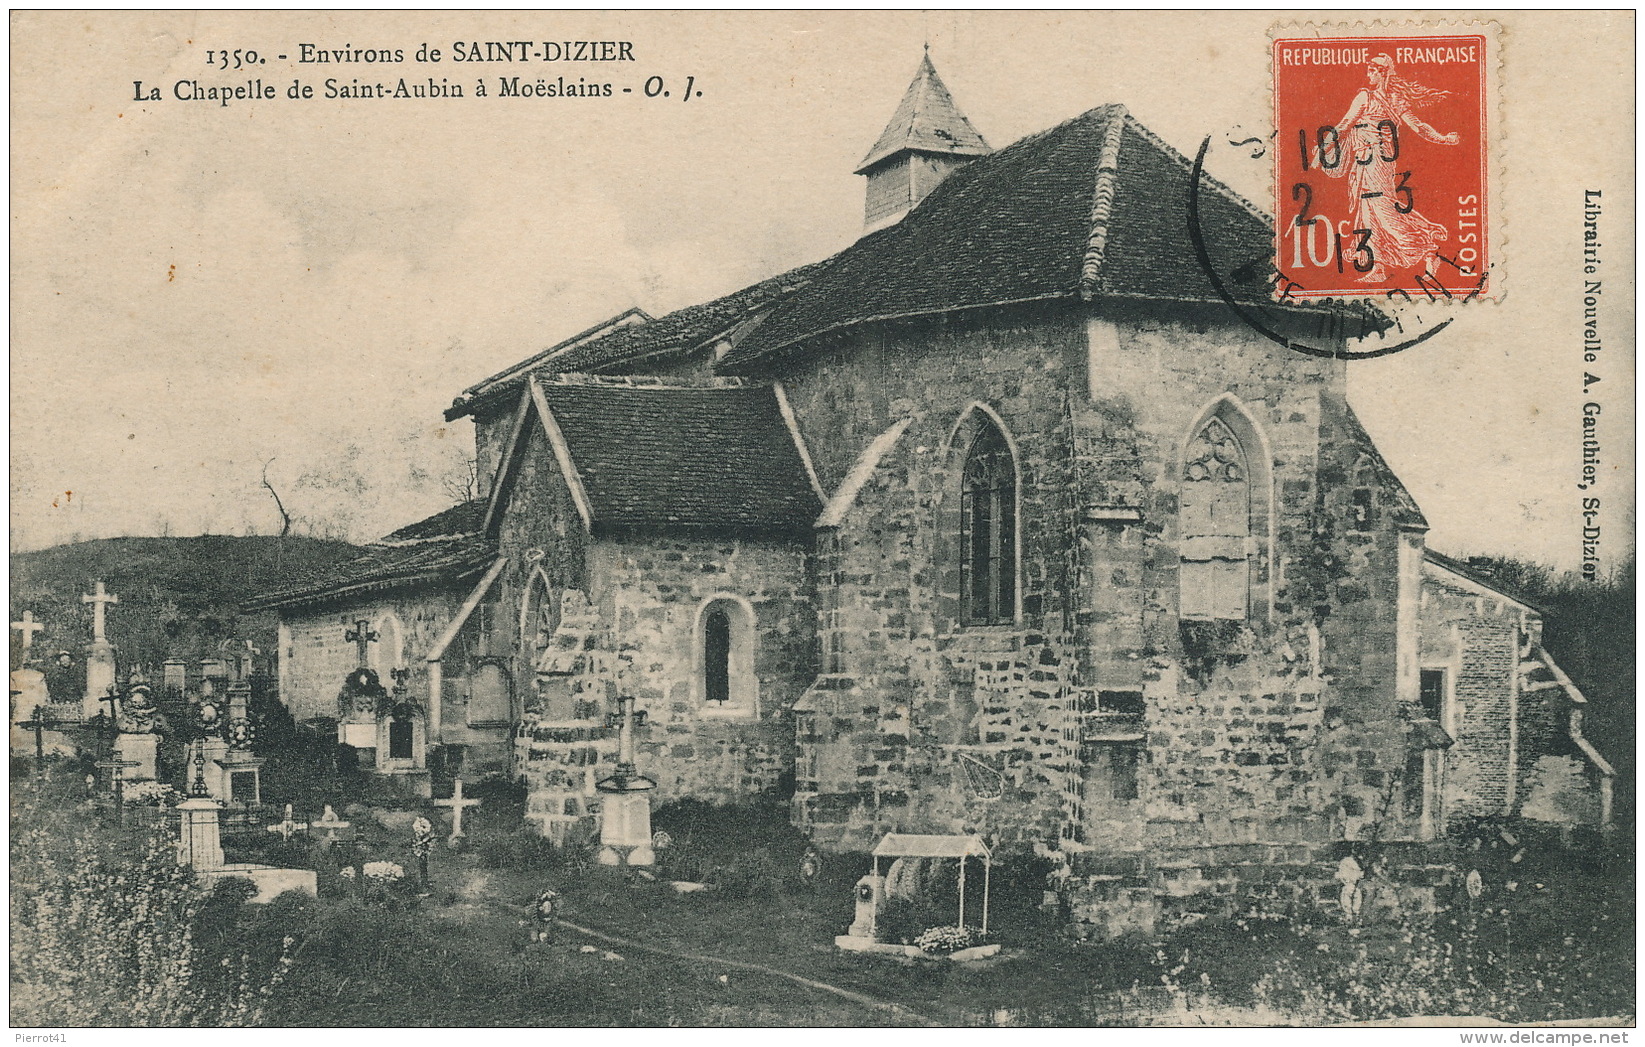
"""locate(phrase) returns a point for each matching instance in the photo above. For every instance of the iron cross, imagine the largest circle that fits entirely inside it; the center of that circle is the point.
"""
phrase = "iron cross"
(363, 637)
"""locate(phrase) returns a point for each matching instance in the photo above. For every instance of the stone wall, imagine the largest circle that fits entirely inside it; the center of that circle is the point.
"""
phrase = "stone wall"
(921, 724)
(652, 593)
(1476, 640)
(314, 657)
(1282, 727)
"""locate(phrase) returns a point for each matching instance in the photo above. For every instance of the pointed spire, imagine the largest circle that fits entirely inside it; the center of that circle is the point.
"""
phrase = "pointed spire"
(926, 121)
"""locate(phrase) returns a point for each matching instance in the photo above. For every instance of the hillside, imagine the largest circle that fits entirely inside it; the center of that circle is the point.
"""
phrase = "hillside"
(179, 597)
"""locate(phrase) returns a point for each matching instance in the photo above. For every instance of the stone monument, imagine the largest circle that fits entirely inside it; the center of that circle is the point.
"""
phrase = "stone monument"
(625, 823)
(241, 768)
(137, 746)
(99, 653)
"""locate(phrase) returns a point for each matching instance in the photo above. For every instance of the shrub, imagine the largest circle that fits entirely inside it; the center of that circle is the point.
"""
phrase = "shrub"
(523, 849)
(103, 939)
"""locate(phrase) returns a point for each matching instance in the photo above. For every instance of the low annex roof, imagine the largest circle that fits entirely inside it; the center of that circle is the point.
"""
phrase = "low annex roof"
(1468, 573)
(1094, 208)
(683, 329)
(444, 547)
(715, 457)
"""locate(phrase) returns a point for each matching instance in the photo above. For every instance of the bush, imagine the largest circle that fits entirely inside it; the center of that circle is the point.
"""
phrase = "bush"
(524, 849)
(104, 939)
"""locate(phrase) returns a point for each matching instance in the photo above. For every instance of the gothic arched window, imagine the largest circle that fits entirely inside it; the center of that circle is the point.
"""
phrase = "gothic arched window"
(988, 531)
(1215, 578)
(539, 618)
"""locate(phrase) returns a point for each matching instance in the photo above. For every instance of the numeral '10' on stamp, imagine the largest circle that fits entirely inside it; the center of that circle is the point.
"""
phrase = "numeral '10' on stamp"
(1382, 159)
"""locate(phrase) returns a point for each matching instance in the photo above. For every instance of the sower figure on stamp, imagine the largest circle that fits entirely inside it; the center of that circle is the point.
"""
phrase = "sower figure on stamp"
(1367, 153)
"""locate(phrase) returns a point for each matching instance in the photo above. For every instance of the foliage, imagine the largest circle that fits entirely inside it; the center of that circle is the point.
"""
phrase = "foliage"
(178, 596)
(1526, 953)
(104, 935)
(523, 848)
(152, 794)
(903, 919)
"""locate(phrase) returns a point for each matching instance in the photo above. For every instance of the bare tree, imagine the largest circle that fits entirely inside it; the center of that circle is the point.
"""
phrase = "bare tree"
(462, 481)
(285, 517)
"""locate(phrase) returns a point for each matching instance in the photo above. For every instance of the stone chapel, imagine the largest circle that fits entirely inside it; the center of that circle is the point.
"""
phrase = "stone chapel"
(998, 521)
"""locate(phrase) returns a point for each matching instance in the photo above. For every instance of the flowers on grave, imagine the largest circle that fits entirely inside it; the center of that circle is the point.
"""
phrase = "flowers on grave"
(151, 794)
(422, 837)
(939, 940)
(381, 873)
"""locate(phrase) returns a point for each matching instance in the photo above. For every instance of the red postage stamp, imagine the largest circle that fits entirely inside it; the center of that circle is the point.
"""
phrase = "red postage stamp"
(1382, 158)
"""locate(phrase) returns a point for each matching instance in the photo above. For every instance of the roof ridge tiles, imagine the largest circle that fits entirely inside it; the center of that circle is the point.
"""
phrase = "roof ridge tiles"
(647, 381)
(1102, 200)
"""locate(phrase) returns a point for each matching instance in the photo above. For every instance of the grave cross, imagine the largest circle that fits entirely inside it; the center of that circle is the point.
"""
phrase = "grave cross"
(113, 698)
(456, 803)
(28, 627)
(362, 636)
(99, 599)
(114, 765)
(289, 827)
(241, 652)
(39, 724)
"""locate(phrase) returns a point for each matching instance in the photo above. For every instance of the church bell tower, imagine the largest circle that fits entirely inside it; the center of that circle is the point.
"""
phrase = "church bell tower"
(927, 138)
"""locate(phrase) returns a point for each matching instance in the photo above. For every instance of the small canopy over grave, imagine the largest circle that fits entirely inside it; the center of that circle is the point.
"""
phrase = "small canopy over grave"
(913, 845)
(910, 845)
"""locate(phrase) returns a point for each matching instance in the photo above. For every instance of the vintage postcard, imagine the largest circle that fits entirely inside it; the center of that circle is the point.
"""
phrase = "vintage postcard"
(896, 519)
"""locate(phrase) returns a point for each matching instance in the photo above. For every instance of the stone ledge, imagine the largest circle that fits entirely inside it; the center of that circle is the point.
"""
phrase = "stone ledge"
(853, 943)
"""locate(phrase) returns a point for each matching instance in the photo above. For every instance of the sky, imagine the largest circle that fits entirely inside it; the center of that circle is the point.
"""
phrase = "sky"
(201, 293)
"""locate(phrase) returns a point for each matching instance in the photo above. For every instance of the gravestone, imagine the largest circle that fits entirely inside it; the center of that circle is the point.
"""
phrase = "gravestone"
(137, 745)
(28, 691)
(200, 841)
(625, 812)
(241, 768)
(99, 653)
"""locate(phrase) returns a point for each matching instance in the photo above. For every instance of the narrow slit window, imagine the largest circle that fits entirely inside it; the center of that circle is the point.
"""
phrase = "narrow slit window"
(717, 656)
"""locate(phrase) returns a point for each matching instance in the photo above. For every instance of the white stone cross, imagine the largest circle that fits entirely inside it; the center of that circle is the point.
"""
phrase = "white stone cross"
(457, 803)
(28, 627)
(98, 599)
(289, 827)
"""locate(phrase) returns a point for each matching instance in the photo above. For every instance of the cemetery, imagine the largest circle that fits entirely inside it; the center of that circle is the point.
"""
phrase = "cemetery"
(305, 873)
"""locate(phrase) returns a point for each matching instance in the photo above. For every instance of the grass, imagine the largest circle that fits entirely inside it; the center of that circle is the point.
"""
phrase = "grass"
(464, 955)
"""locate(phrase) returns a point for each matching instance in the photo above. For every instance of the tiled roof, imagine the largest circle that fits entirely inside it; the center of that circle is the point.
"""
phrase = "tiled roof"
(719, 458)
(926, 120)
(444, 547)
(626, 318)
(1094, 207)
(1402, 507)
(458, 521)
(682, 329)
